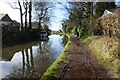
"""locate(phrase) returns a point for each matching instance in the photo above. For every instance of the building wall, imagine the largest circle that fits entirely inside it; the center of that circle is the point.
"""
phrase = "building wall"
(5, 23)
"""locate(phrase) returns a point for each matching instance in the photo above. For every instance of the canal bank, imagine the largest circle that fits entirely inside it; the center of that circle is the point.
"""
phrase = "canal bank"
(76, 61)
(52, 72)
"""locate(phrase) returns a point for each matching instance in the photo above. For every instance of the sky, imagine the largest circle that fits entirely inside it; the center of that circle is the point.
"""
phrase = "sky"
(58, 12)
(6, 8)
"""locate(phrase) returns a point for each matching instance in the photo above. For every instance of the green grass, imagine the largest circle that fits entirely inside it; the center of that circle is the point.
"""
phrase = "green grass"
(52, 72)
(106, 62)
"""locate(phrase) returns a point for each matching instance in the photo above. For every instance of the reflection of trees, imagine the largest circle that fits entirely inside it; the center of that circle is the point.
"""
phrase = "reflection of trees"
(32, 61)
(34, 64)
(33, 67)
(27, 65)
(64, 40)
(44, 58)
(23, 59)
(41, 52)
(8, 52)
(44, 48)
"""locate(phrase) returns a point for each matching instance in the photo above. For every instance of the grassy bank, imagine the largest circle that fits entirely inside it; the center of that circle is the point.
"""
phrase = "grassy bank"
(106, 51)
(52, 72)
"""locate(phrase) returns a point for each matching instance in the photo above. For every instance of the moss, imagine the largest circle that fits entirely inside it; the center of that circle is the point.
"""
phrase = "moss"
(52, 72)
(84, 37)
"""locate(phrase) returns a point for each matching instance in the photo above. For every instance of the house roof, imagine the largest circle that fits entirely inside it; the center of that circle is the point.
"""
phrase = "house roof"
(15, 21)
(112, 10)
(5, 17)
(106, 12)
(2, 15)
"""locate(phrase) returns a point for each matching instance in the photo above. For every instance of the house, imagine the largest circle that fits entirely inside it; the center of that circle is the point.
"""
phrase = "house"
(7, 23)
(109, 11)
(15, 23)
(6, 20)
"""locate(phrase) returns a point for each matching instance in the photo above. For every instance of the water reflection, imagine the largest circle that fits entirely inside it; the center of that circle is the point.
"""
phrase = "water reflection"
(8, 53)
(30, 60)
(64, 40)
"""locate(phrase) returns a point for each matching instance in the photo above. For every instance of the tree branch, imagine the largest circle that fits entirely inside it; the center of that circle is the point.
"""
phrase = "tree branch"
(13, 7)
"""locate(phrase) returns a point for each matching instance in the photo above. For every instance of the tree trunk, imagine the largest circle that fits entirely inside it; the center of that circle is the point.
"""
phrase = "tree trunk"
(92, 9)
(21, 16)
(30, 12)
(40, 26)
(26, 17)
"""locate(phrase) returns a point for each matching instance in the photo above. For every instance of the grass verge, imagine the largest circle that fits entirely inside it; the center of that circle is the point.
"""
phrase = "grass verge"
(104, 53)
(52, 72)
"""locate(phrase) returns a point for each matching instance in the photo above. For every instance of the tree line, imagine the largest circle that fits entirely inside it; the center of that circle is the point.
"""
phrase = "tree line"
(41, 15)
(82, 15)
(35, 18)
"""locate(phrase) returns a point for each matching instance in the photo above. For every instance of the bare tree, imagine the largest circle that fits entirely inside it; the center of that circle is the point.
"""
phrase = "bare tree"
(23, 5)
(42, 12)
(19, 7)
(26, 6)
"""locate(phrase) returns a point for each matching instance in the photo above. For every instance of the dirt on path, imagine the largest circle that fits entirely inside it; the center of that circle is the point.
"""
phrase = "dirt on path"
(81, 63)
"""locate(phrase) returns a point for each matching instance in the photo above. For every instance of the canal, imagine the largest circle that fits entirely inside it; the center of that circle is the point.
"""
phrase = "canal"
(30, 60)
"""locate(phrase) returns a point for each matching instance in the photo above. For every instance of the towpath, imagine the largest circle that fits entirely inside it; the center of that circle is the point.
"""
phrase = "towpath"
(81, 63)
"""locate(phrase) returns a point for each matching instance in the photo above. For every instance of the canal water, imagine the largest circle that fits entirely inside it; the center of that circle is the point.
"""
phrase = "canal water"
(30, 60)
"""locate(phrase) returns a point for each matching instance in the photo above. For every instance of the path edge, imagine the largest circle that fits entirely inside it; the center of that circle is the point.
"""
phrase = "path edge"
(52, 72)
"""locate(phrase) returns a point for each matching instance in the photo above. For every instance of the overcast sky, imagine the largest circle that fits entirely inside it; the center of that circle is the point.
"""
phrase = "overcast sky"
(14, 14)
